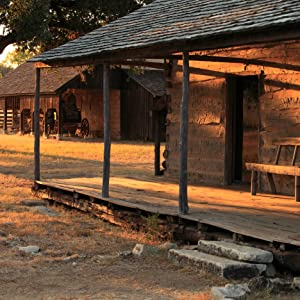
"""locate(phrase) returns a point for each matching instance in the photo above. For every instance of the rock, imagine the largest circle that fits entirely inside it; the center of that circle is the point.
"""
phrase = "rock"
(230, 291)
(142, 249)
(12, 243)
(270, 271)
(273, 285)
(289, 260)
(30, 249)
(33, 202)
(125, 253)
(235, 252)
(258, 283)
(74, 264)
(167, 246)
(3, 234)
(104, 258)
(45, 211)
(220, 266)
(296, 282)
(281, 285)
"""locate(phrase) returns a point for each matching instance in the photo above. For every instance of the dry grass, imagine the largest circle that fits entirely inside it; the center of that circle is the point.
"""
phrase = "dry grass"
(71, 233)
(75, 158)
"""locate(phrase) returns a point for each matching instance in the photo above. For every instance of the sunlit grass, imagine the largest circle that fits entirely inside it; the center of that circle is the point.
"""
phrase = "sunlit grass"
(74, 158)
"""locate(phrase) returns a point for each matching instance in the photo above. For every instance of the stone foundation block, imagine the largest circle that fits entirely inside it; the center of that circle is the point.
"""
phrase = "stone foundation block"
(220, 266)
(236, 252)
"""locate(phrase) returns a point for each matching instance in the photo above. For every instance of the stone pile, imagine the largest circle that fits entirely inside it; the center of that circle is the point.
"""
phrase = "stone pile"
(226, 259)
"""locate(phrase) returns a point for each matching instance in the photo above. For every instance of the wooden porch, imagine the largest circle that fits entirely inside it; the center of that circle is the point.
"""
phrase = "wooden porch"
(267, 218)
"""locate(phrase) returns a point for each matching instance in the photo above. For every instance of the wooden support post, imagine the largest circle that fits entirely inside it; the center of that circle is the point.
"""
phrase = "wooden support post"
(59, 120)
(20, 123)
(297, 188)
(37, 125)
(253, 182)
(156, 115)
(5, 117)
(294, 155)
(277, 155)
(271, 183)
(107, 141)
(183, 145)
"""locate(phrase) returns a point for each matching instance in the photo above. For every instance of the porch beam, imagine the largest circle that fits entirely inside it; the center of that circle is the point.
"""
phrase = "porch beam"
(183, 145)
(41, 65)
(136, 63)
(37, 175)
(239, 60)
(107, 139)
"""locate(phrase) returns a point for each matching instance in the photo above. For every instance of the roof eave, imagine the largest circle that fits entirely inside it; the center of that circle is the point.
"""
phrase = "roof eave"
(163, 49)
(27, 94)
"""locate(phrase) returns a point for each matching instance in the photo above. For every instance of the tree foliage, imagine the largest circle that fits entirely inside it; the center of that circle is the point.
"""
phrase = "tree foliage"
(17, 57)
(4, 70)
(45, 24)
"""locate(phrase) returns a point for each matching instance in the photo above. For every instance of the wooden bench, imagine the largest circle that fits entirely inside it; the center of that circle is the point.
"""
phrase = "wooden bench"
(270, 169)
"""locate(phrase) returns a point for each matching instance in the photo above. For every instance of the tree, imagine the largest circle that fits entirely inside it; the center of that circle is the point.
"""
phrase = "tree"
(45, 24)
(4, 70)
(17, 57)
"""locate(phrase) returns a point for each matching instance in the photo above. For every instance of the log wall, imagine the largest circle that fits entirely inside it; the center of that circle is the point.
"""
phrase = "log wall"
(277, 111)
(206, 129)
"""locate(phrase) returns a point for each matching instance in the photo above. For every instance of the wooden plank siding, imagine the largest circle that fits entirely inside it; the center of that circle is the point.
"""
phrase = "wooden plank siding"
(136, 115)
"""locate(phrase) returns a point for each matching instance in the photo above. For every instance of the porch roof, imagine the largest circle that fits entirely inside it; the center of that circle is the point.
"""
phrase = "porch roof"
(172, 25)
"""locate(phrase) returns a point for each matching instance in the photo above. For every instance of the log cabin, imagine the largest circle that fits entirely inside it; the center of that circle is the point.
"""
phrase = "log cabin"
(237, 90)
(232, 70)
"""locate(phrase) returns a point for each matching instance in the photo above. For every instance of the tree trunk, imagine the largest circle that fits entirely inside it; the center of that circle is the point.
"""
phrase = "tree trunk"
(7, 40)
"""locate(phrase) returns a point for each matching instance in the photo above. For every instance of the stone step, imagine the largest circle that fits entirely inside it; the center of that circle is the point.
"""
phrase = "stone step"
(220, 266)
(230, 291)
(235, 252)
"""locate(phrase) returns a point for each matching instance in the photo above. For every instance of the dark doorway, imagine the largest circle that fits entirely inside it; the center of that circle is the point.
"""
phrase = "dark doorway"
(241, 127)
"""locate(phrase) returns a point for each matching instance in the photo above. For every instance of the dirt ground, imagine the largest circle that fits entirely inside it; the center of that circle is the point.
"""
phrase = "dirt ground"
(80, 255)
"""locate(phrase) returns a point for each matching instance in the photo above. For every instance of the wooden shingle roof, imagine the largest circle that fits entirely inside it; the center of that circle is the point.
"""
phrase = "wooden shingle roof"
(164, 22)
(152, 81)
(21, 81)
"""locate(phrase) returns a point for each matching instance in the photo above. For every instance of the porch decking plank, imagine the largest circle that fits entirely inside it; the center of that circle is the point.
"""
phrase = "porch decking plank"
(266, 217)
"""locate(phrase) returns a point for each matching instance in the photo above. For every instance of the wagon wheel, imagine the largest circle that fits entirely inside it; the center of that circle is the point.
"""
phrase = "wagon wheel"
(55, 130)
(85, 128)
